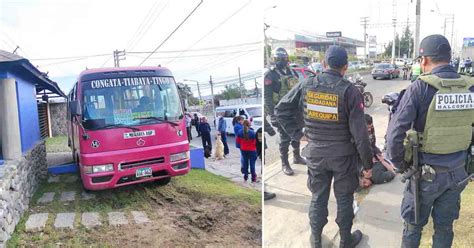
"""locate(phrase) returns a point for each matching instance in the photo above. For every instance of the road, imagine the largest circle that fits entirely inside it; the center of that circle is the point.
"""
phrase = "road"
(378, 111)
(229, 167)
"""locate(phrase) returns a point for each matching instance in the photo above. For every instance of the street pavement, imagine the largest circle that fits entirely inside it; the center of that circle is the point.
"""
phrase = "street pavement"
(228, 167)
(286, 222)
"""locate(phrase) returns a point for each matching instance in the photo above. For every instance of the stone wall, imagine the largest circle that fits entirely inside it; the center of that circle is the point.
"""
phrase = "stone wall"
(19, 180)
(58, 118)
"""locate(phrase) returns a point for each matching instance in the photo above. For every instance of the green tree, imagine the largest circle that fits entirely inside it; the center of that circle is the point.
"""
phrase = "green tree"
(232, 92)
(403, 45)
(185, 92)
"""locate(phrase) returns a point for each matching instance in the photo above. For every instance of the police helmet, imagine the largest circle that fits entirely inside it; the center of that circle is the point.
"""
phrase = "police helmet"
(280, 57)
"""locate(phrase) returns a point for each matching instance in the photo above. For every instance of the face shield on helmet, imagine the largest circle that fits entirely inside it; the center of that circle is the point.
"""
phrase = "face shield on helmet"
(280, 57)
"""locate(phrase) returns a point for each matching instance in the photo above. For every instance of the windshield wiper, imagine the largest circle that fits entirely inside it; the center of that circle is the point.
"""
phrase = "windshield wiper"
(157, 119)
(117, 125)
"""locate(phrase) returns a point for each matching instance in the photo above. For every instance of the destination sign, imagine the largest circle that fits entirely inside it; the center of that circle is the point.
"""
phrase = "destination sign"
(128, 81)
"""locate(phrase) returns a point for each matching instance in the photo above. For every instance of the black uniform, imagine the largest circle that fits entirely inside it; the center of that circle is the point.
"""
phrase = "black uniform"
(331, 110)
(278, 82)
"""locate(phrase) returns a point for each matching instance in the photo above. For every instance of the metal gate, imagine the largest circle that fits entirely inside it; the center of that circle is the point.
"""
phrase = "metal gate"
(43, 119)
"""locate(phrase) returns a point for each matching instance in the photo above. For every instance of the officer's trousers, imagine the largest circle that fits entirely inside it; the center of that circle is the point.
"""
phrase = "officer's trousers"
(285, 141)
(442, 199)
(321, 172)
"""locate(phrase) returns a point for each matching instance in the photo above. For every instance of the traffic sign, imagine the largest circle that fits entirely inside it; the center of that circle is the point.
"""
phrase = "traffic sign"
(333, 34)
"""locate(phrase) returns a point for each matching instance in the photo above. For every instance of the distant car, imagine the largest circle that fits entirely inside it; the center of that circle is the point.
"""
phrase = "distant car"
(363, 66)
(252, 112)
(385, 70)
(197, 113)
(400, 62)
(304, 73)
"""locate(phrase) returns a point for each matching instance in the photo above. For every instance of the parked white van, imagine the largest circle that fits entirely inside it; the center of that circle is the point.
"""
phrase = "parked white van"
(252, 112)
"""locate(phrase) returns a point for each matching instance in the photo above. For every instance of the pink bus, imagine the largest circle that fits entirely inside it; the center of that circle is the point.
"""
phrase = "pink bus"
(126, 126)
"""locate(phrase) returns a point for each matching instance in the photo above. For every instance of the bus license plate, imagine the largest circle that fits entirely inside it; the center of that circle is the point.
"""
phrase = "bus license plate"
(143, 172)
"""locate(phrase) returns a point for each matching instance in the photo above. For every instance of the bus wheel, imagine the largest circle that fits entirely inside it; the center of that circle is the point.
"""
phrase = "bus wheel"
(163, 181)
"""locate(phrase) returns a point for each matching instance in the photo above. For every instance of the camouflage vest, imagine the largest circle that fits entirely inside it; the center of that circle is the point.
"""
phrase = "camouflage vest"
(450, 116)
(287, 82)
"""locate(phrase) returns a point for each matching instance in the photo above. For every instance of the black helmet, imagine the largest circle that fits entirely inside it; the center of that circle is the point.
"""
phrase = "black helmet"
(280, 57)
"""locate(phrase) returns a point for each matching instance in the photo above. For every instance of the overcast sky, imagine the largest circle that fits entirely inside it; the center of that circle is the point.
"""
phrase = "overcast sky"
(342, 15)
(60, 28)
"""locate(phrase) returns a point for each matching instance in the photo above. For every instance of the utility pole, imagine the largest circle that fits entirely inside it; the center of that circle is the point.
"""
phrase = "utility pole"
(212, 94)
(394, 19)
(364, 21)
(417, 29)
(452, 32)
(240, 87)
(118, 55)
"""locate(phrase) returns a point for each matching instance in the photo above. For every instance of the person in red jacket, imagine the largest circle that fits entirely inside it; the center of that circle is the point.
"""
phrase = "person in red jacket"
(248, 140)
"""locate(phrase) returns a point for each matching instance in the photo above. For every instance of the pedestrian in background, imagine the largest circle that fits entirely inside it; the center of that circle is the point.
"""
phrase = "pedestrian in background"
(196, 124)
(222, 127)
(462, 65)
(248, 148)
(468, 65)
(237, 122)
(205, 131)
(189, 120)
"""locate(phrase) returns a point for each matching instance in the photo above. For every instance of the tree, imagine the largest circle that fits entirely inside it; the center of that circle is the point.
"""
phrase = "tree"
(232, 92)
(185, 92)
(403, 45)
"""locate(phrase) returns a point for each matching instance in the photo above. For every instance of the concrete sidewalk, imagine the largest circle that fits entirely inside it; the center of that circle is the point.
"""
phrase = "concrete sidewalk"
(286, 218)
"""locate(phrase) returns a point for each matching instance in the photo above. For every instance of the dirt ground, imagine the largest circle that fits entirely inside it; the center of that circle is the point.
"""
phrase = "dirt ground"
(181, 215)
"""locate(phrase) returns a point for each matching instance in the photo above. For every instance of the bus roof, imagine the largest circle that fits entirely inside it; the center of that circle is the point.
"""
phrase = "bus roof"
(137, 71)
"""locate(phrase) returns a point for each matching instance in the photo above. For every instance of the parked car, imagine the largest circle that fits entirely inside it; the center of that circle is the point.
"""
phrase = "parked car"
(252, 112)
(304, 72)
(400, 62)
(385, 70)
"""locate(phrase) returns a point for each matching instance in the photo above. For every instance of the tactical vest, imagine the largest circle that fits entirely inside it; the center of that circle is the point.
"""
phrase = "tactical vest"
(416, 69)
(324, 111)
(450, 116)
(287, 82)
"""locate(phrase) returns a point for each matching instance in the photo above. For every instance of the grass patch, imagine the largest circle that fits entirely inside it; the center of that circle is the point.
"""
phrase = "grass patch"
(209, 184)
(463, 227)
(198, 187)
(57, 144)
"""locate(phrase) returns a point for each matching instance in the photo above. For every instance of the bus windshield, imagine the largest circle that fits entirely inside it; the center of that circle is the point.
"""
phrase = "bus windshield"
(130, 101)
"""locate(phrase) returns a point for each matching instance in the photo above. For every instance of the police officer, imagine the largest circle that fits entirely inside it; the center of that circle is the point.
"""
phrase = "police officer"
(431, 106)
(331, 110)
(278, 81)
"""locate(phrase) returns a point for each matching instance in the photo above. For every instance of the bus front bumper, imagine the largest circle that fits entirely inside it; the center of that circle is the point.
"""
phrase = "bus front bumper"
(132, 166)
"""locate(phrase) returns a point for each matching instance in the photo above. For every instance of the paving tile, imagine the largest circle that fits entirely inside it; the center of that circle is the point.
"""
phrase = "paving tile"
(68, 196)
(87, 196)
(47, 197)
(140, 217)
(117, 218)
(36, 222)
(91, 219)
(64, 220)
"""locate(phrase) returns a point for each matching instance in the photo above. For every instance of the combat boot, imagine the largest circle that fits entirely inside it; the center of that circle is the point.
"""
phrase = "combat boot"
(349, 240)
(297, 159)
(268, 195)
(286, 168)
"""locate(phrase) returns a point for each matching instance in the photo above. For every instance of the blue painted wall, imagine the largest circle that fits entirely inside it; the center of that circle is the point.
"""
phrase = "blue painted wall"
(28, 112)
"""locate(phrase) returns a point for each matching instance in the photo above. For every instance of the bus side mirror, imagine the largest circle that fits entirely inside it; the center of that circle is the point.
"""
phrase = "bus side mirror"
(75, 108)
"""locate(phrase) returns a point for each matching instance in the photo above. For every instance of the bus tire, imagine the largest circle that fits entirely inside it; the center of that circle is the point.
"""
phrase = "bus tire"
(163, 181)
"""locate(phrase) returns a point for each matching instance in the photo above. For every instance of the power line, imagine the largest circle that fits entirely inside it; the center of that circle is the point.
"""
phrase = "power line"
(204, 49)
(169, 36)
(135, 34)
(214, 29)
(142, 34)
(197, 55)
(72, 57)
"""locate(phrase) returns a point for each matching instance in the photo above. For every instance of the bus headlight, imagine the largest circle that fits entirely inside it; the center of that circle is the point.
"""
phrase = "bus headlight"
(179, 156)
(98, 168)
